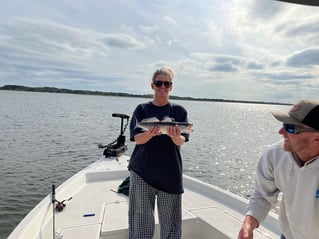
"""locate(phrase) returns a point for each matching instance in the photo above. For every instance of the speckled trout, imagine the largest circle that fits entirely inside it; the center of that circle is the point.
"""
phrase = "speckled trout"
(164, 124)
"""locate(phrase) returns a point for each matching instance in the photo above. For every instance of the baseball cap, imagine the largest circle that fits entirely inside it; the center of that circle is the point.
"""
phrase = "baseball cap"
(305, 112)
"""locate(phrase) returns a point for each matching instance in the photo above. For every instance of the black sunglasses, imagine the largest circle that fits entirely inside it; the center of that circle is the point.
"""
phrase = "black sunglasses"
(296, 129)
(159, 83)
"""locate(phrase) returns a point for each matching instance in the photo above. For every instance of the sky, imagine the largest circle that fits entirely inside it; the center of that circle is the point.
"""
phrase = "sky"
(254, 50)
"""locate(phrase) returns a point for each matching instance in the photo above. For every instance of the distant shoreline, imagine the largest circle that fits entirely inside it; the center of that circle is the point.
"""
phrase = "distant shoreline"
(87, 92)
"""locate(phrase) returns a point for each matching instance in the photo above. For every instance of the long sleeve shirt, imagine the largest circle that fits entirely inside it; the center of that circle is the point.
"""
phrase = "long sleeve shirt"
(278, 171)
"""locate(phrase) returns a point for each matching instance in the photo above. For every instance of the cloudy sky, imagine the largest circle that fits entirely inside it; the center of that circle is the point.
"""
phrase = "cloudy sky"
(260, 50)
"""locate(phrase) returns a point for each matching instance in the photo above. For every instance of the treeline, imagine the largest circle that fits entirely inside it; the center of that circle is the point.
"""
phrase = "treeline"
(87, 92)
(62, 90)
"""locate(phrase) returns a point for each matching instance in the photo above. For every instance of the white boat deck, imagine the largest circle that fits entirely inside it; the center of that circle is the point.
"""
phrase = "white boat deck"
(96, 211)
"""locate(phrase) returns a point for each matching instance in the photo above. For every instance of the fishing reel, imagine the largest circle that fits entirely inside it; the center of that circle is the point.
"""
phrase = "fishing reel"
(57, 204)
(60, 205)
(117, 147)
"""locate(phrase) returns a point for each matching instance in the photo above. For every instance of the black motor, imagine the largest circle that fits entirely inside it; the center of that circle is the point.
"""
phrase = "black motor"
(117, 147)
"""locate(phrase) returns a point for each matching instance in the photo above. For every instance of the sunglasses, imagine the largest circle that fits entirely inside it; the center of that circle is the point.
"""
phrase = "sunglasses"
(159, 83)
(296, 129)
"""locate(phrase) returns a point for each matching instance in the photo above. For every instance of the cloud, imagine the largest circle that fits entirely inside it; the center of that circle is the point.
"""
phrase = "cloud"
(300, 32)
(255, 66)
(237, 49)
(170, 21)
(43, 38)
(148, 29)
(304, 58)
(263, 10)
(286, 77)
(43, 52)
(122, 41)
(226, 67)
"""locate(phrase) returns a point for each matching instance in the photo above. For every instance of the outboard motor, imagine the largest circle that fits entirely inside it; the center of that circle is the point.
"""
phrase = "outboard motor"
(117, 147)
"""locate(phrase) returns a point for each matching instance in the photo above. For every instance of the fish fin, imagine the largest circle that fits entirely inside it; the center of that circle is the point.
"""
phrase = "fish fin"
(152, 119)
(168, 119)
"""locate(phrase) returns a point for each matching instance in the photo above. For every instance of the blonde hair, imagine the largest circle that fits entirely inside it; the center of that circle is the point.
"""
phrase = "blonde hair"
(164, 71)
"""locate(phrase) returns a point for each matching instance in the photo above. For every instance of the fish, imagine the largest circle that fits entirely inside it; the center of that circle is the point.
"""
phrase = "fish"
(164, 124)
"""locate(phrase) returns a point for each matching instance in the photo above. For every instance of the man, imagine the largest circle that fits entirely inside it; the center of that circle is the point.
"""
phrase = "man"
(156, 172)
(292, 168)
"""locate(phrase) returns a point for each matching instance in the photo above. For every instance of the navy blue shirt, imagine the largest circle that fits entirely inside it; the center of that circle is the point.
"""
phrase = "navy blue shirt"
(158, 162)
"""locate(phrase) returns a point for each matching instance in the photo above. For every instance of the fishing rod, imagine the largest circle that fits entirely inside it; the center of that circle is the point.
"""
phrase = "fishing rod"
(53, 203)
(57, 206)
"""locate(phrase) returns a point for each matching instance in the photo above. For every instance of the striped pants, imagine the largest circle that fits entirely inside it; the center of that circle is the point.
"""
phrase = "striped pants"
(141, 211)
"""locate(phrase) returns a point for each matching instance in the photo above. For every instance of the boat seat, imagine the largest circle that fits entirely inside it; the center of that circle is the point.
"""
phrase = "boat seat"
(115, 220)
(89, 231)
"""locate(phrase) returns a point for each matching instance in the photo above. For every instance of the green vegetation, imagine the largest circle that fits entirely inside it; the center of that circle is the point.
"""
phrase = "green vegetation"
(86, 92)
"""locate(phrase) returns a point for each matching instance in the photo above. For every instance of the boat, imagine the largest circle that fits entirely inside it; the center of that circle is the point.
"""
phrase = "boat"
(93, 204)
(303, 2)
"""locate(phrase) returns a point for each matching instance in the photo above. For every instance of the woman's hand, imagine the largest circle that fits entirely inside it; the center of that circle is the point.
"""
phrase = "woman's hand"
(144, 137)
(175, 133)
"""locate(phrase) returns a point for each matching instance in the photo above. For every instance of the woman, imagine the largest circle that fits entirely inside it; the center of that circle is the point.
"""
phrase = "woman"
(156, 164)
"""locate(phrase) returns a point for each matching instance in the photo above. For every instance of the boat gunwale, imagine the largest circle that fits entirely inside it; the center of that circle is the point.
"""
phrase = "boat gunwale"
(105, 169)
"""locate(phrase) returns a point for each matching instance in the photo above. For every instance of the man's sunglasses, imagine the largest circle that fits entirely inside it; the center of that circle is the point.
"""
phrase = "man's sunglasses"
(296, 129)
(159, 83)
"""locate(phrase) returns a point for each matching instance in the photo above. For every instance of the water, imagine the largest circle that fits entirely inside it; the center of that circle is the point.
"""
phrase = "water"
(45, 138)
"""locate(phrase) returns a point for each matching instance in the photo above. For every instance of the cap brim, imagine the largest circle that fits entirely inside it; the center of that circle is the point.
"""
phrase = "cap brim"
(285, 118)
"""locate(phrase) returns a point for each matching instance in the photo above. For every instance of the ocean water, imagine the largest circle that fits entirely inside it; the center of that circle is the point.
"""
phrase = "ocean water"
(45, 138)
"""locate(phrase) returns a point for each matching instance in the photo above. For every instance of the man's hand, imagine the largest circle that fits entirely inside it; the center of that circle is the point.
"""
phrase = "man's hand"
(246, 231)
